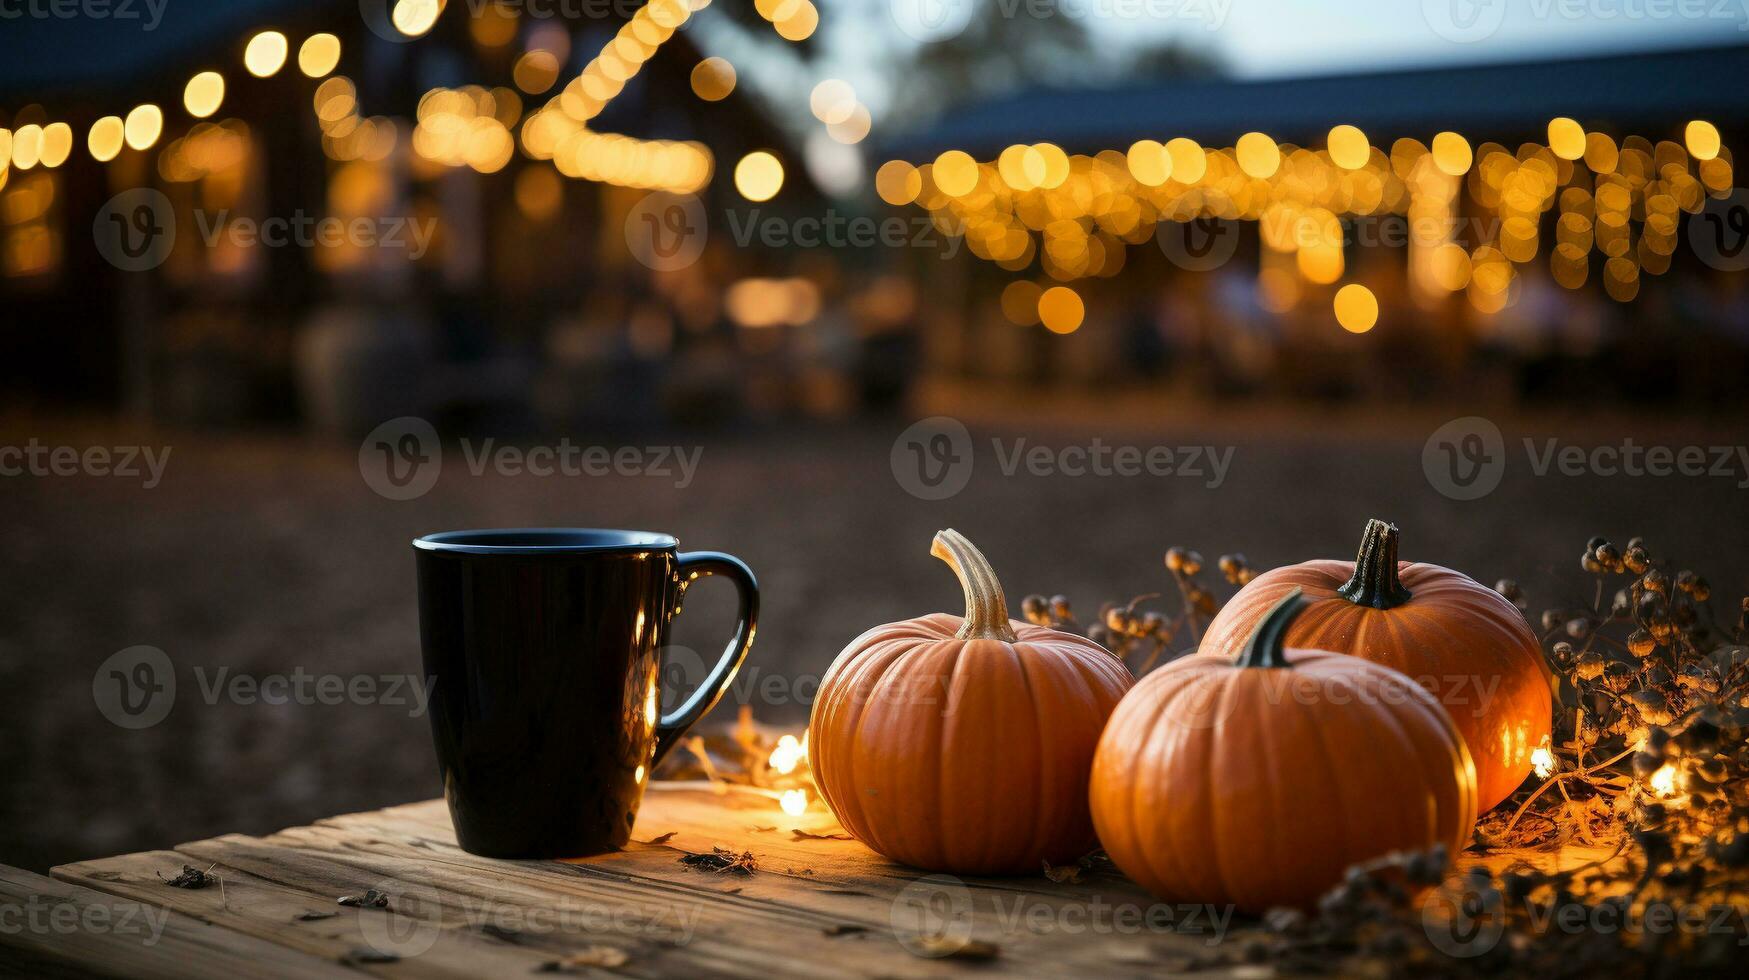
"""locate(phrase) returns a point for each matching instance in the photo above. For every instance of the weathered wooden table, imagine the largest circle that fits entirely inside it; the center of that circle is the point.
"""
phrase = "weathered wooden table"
(812, 905)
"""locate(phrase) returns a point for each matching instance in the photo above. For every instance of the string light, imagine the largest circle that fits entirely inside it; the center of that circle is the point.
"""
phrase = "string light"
(104, 141)
(759, 176)
(265, 54)
(204, 94)
(143, 125)
(319, 55)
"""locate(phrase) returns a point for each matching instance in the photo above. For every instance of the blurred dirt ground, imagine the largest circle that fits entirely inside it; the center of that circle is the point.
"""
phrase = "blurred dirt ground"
(268, 554)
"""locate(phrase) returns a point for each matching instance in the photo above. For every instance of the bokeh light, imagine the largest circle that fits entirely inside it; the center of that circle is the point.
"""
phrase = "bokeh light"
(759, 176)
(1060, 310)
(143, 126)
(265, 54)
(1357, 309)
(204, 94)
(105, 138)
(713, 79)
(319, 55)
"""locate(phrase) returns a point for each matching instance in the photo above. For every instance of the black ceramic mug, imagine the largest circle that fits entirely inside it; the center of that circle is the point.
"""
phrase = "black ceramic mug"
(544, 646)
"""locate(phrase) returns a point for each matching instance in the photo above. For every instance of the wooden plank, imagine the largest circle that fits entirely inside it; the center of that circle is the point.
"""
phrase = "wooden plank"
(309, 920)
(815, 906)
(60, 928)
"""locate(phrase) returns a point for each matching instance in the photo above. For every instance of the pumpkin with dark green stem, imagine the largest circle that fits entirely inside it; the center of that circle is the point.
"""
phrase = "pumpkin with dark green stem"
(1463, 641)
(1257, 781)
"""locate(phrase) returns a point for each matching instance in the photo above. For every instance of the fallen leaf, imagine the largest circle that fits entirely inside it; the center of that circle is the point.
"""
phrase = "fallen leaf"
(949, 947)
(371, 899)
(843, 929)
(314, 916)
(662, 838)
(597, 955)
(804, 835)
(1064, 874)
(722, 861)
(191, 877)
(362, 955)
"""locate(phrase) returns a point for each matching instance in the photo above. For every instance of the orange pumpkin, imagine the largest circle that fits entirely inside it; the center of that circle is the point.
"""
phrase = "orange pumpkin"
(1256, 782)
(963, 745)
(1461, 640)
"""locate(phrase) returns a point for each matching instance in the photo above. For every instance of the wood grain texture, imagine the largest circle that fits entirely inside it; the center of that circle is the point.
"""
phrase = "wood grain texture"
(814, 907)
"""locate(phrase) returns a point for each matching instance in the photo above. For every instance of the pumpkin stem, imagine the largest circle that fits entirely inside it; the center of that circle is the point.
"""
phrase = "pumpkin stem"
(986, 607)
(1265, 647)
(1375, 582)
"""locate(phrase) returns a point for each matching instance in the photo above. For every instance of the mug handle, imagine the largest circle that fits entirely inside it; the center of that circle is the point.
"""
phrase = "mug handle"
(693, 566)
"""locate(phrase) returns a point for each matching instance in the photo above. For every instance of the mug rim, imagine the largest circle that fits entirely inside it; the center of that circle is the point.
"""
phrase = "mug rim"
(543, 541)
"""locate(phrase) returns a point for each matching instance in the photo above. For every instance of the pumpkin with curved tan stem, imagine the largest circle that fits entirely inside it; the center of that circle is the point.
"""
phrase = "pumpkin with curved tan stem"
(963, 744)
(1257, 781)
(1461, 640)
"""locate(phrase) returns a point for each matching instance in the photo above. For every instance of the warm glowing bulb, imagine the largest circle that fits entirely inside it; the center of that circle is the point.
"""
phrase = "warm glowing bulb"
(1452, 154)
(1357, 309)
(956, 173)
(1348, 147)
(794, 802)
(265, 53)
(1258, 155)
(415, 17)
(319, 55)
(1543, 761)
(1060, 309)
(759, 176)
(786, 755)
(1702, 138)
(1664, 780)
(203, 94)
(143, 126)
(105, 139)
(1566, 138)
(57, 143)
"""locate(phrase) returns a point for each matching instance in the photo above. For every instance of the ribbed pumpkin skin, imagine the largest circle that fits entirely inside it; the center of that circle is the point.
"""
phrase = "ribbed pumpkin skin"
(968, 756)
(1216, 783)
(1458, 638)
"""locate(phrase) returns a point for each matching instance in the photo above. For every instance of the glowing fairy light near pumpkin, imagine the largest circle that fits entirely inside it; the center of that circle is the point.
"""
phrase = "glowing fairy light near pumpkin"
(794, 802)
(788, 753)
(1542, 762)
(1663, 781)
